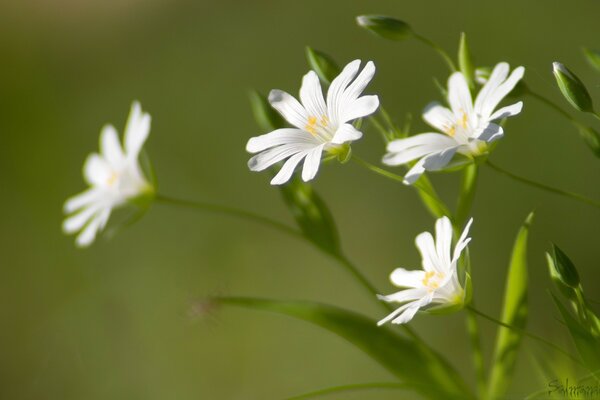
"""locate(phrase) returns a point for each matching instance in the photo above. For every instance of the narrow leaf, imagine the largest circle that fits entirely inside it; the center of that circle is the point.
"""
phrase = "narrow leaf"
(465, 61)
(411, 361)
(572, 88)
(322, 64)
(312, 215)
(591, 138)
(514, 313)
(266, 117)
(593, 57)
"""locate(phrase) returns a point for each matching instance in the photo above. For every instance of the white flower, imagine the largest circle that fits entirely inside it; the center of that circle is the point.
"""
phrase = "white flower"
(114, 175)
(466, 126)
(318, 126)
(437, 283)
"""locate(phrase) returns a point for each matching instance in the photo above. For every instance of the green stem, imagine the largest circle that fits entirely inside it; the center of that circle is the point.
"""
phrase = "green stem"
(549, 103)
(380, 128)
(524, 333)
(244, 214)
(350, 388)
(438, 49)
(575, 196)
(468, 184)
(475, 337)
(423, 186)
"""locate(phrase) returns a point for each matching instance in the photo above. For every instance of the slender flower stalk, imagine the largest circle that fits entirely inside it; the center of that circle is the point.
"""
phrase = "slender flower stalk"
(318, 126)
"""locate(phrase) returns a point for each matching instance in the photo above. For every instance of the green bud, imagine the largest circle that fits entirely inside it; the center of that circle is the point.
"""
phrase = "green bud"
(572, 88)
(465, 62)
(593, 57)
(386, 27)
(266, 117)
(565, 268)
(322, 64)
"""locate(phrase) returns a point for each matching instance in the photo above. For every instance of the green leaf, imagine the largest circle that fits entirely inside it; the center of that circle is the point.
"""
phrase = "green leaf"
(587, 345)
(565, 290)
(565, 268)
(572, 88)
(325, 67)
(312, 215)
(591, 138)
(593, 57)
(412, 362)
(385, 27)
(514, 313)
(465, 61)
(266, 117)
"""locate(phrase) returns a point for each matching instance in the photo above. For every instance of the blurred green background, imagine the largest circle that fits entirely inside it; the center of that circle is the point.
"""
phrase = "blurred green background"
(113, 321)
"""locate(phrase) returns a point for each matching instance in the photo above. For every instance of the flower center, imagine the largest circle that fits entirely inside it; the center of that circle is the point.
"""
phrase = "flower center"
(313, 124)
(432, 280)
(112, 179)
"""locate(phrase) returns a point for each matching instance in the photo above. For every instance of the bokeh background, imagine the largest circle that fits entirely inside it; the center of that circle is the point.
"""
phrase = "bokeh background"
(113, 321)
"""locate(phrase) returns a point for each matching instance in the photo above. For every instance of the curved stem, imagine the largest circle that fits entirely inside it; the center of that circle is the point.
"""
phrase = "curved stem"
(438, 49)
(350, 388)
(231, 211)
(478, 364)
(524, 333)
(424, 187)
(545, 187)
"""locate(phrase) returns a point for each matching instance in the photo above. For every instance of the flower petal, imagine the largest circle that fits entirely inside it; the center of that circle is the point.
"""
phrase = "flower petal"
(405, 278)
(360, 83)
(285, 173)
(496, 78)
(359, 108)
(426, 246)
(136, 130)
(404, 150)
(507, 111)
(490, 133)
(75, 222)
(289, 108)
(459, 96)
(346, 133)
(443, 241)
(264, 160)
(502, 91)
(279, 137)
(311, 95)
(311, 163)
(462, 242)
(87, 236)
(439, 117)
(96, 170)
(335, 94)
(110, 147)
(80, 200)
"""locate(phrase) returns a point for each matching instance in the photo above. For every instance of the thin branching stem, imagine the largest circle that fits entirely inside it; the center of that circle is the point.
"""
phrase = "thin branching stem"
(350, 388)
(438, 50)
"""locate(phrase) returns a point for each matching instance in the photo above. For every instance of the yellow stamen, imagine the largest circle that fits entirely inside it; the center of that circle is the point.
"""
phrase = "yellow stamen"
(112, 179)
(310, 126)
(324, 121)
(464, 120)
(451, 131)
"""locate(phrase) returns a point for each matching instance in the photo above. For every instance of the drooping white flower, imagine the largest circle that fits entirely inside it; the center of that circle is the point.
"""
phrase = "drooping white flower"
(114, 175)
(318, 125)
(438, 283)
(466, 126)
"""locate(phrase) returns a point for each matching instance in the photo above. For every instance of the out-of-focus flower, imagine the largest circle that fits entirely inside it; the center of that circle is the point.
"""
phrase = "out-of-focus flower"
(115, 178)
(319, 126)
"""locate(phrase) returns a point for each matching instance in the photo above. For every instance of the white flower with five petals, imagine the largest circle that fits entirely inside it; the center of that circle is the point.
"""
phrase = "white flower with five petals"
(115, 177)
(437, 283)
(467, 127)
(318, 125)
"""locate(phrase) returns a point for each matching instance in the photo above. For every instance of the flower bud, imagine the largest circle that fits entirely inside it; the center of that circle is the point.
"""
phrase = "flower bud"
(564, 268)
(322, 64)
(465, 61)
(386, 27)
(572, 88)
(266, 117)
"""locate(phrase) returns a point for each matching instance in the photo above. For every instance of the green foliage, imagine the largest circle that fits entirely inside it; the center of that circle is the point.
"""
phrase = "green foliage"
(593, 57)
(411, 361)
(565, 268)
(465, 61)
(322, 64)
(266, 117)
(572, 88)
(312, 215)
(385, 27)
(591, 138)
(514, 313)
(466, 195)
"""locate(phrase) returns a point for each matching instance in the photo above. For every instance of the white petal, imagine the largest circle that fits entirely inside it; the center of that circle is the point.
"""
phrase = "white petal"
(490, 133)
(87, 236)
(459, 96)
(359, 108)
(311, 163)
(426, 246)
(279, 137)
(289, 108)
(346, 133)
(496, 78)
(439, 117)
(405, 150)
(404, 295)
(80, 200)
(410, 312)
(96, 170)
(311, 95)
(136, 130)
(504, 89)
(272, 156)
(397, 311)
(443, 241)
(462, 242)
(78, 221)
(360, 83)
(335, 94)
(285, 173)
(404, 278)
(507, 111)
(110, 147)
(415, 172)
(437, 161)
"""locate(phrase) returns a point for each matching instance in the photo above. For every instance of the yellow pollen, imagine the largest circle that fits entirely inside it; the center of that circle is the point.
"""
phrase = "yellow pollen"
(310, 126)
(451, 131)
(430, 283)
(112, 179)
(464, 120)
(324, 121)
